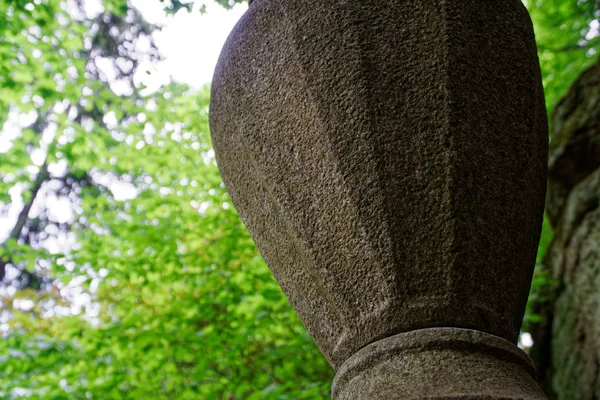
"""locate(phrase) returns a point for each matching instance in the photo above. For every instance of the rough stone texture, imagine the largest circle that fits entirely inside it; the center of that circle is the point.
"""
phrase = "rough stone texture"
(438, 362)
(389, 159)
(567, 339)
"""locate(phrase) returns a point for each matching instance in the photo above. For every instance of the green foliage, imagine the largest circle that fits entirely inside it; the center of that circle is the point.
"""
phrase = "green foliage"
(177, 5)
(173, 6)
(542, 279)
(568, 41)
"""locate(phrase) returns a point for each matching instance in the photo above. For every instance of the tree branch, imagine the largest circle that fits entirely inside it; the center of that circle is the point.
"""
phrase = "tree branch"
(17, 230)
(39, 126)
(42, 176)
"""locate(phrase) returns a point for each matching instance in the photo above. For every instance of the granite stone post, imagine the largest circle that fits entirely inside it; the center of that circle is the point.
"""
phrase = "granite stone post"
(389, 159)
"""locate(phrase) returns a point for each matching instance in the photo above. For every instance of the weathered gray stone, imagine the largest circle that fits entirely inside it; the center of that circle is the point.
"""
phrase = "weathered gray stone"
(389, 159)
(438, 363)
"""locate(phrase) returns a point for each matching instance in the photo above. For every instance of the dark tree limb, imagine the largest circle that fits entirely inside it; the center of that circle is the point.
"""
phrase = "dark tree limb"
(38, 126)
(23, 217)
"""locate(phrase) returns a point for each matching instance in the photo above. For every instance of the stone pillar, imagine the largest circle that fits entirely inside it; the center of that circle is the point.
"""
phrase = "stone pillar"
(389, 159)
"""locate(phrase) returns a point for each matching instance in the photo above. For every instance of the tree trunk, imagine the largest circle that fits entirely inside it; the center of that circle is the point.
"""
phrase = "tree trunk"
(567, 339)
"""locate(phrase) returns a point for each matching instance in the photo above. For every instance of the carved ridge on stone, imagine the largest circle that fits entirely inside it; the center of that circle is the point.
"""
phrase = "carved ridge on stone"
(388, 368)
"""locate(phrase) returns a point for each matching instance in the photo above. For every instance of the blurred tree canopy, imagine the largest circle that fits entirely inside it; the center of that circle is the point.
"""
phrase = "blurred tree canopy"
(568, 41)
(126, 273)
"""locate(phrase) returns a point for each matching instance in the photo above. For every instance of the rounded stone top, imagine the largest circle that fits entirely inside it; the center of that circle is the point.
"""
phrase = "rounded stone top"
(436, 363)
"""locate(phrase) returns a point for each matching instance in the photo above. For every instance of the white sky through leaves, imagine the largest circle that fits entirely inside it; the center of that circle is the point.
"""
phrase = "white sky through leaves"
(190, 42)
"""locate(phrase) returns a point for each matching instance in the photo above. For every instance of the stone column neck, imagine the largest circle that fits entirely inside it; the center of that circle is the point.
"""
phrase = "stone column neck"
(449, 363)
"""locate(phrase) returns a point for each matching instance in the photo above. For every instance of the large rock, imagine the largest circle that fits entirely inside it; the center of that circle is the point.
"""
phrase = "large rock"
(567, 336)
